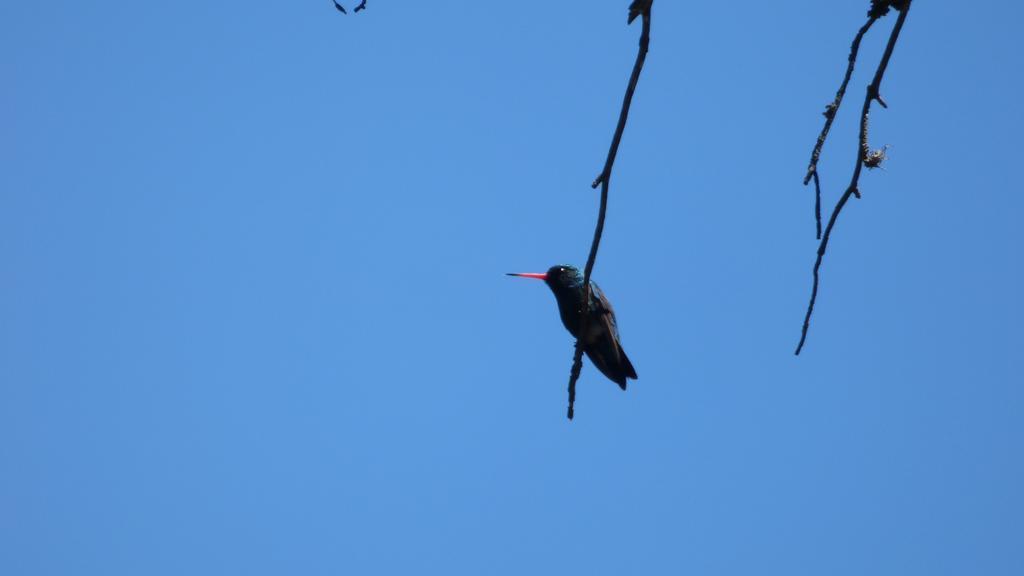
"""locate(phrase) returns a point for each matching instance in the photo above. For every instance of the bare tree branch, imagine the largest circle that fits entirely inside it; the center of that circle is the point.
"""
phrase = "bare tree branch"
(643, 8)
(865, 157)
(830, 114)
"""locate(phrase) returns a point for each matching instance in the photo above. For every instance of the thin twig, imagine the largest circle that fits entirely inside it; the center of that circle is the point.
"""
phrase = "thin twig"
(830, 114)
(864, 157)
(603, 180)
(817, 203)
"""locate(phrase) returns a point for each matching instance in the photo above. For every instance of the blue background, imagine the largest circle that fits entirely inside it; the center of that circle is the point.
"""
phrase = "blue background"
(253, 317)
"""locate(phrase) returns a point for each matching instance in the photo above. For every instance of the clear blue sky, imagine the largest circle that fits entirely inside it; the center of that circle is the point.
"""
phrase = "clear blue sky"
(253, 317)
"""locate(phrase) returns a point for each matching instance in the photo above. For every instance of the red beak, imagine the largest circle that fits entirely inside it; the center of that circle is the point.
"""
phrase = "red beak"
(536, 275)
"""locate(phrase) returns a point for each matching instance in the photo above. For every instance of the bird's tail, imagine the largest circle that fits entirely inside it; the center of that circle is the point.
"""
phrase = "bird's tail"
(627, 365)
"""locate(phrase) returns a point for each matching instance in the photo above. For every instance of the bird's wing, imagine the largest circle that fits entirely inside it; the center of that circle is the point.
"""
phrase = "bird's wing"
(599, 303)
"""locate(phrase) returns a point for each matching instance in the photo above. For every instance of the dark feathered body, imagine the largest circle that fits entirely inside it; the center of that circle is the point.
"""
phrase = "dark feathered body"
(601, 343)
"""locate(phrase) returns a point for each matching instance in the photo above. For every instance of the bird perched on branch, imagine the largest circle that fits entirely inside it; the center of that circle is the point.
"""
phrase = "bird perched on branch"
(601, 343)
(637, 8)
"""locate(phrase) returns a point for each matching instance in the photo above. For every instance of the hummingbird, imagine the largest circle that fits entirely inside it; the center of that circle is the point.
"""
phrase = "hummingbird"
(601, 343)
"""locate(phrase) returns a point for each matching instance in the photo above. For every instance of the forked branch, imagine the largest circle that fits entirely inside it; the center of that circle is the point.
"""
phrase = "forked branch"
(865, 157)
(830, 114)
(340, 8)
